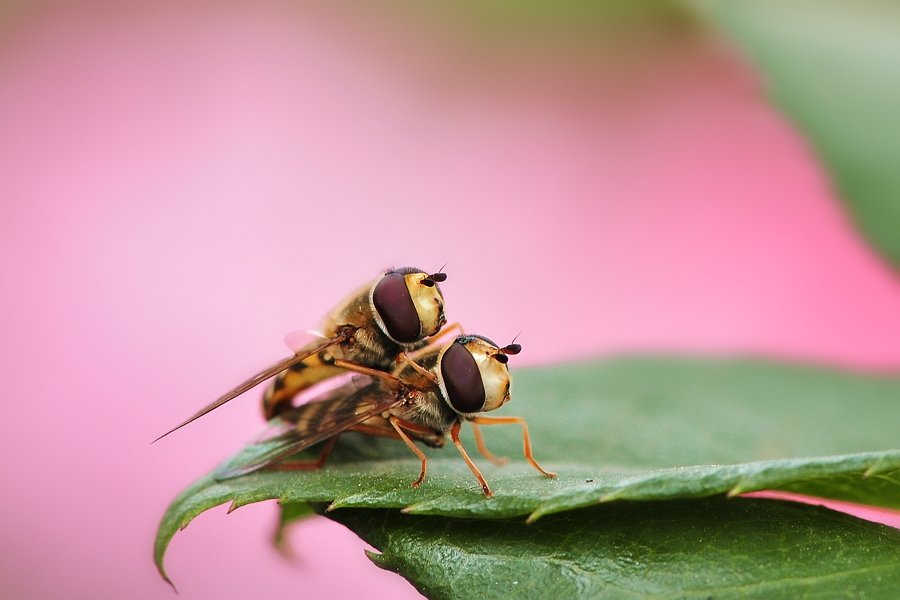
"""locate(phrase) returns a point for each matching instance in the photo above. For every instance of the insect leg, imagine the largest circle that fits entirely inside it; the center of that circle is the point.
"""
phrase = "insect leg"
(454, 435)
(525, 437)
(435, 340)
(307, 465)
(419, 368)
(397, 424)
(366, 371)
(376, 431)
(479, 442)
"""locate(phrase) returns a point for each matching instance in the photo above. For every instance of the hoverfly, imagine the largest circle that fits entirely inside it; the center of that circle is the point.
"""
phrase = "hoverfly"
(423, 399)
(372, 328)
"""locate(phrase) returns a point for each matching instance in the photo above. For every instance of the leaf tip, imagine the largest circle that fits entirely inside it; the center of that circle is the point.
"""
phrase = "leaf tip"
(162, 572)
(283, 545)
(381, 560)
(737, 490)
(414, 509)
(876, 468)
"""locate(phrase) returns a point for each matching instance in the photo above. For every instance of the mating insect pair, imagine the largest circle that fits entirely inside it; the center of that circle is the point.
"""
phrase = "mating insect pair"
(408, 387)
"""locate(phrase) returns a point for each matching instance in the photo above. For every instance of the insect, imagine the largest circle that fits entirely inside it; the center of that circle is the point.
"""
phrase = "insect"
(372, 327)
(423, 399)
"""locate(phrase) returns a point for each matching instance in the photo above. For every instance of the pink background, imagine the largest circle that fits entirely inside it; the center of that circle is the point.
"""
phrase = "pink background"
(181, 187)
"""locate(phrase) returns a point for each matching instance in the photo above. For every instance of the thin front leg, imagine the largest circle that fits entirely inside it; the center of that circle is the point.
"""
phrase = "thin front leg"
(435, 340)
(525, 436)
(307, 465)
(404, 357)
(365, 371)
(454, 435)
(479, 442)
(397, 424)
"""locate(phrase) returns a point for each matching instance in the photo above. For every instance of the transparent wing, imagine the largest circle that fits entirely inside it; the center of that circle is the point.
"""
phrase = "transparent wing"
(328, 399)
(297, 341)
(260, 377)
(308, 424)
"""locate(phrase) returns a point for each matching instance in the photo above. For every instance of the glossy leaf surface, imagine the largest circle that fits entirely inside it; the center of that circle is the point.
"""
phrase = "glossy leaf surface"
(628, 429)
(712, 548)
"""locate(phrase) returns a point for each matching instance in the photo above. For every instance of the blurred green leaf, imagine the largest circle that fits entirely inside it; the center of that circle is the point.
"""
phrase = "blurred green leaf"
(833, 67)
(647, 428)
(712, 548)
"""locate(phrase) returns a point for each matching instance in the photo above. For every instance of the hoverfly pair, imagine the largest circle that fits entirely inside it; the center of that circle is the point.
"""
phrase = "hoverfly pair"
(409, 388)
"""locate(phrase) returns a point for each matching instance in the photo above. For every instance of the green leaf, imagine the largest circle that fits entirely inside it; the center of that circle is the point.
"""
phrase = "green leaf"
(290, 513)
(712, 548)
(648, 429)
(832, 67)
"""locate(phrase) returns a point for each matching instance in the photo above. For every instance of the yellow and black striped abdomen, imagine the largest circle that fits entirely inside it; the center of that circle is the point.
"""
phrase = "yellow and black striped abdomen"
(287, 384)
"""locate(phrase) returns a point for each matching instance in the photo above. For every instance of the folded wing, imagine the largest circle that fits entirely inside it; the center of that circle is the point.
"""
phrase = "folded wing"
(272, 371)
(306, 425)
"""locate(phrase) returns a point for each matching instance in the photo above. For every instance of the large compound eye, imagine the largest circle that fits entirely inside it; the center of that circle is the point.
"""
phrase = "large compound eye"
(462, 379)
(396, 308)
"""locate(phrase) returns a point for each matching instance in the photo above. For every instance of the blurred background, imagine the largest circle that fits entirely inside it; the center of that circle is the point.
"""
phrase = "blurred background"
(183, 184)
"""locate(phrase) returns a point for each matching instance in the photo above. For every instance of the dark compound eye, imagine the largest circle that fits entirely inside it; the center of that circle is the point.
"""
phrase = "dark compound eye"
(396, 308)
(465, 389)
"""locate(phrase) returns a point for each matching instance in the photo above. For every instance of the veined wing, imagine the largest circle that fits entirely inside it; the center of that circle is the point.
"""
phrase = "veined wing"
(308, 424)
(260, 377)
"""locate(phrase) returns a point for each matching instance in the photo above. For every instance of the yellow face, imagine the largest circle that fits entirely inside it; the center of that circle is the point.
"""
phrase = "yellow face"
(473, 375)
(494, 373)
(429, 303)
(407, 305)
